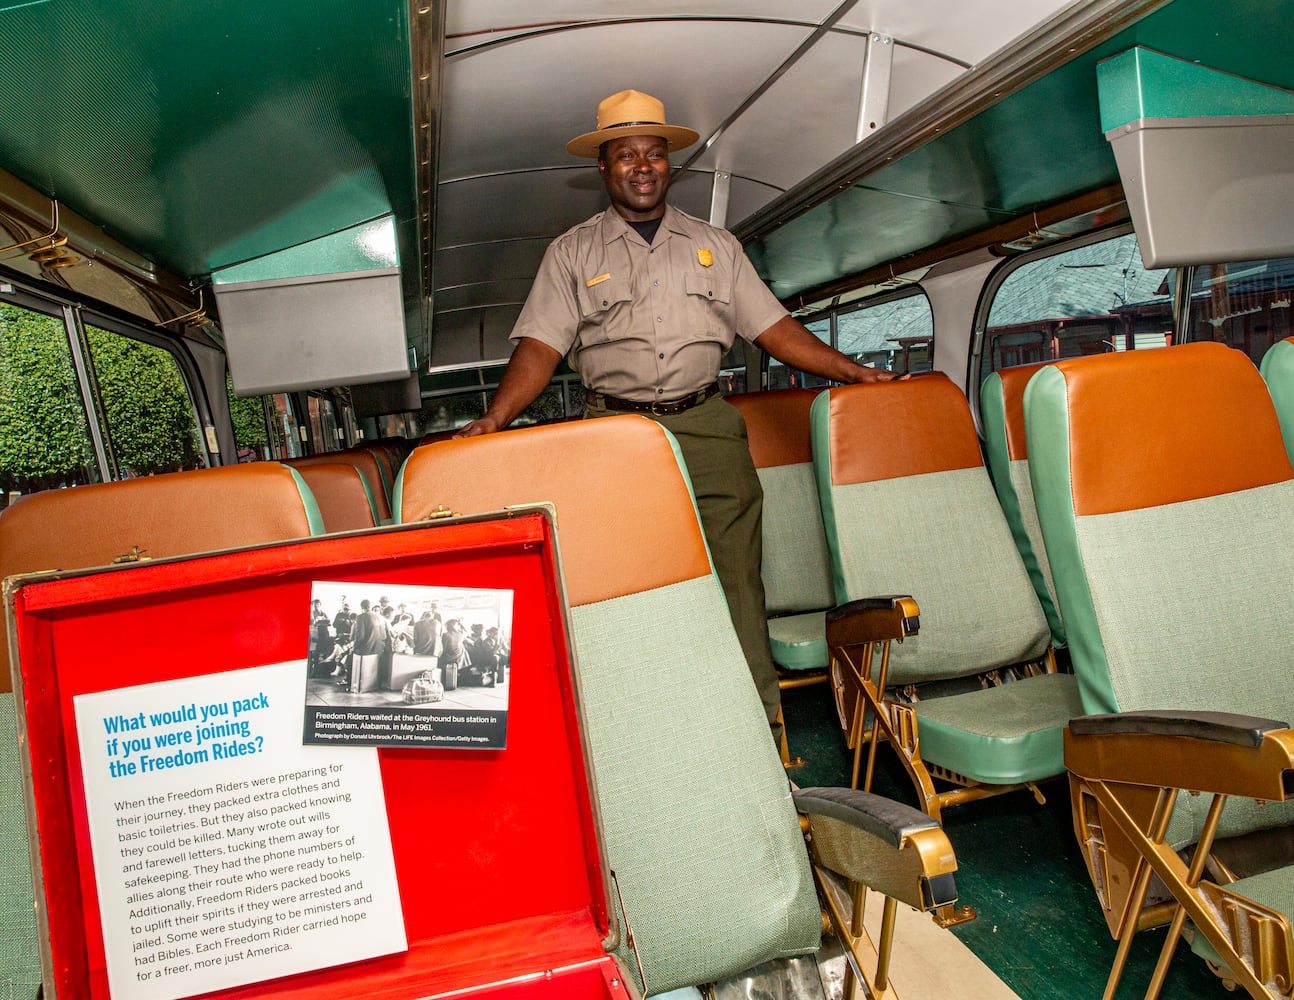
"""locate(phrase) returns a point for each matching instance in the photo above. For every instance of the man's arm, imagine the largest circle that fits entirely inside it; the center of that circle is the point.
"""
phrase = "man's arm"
(529, 371)
(790, 343)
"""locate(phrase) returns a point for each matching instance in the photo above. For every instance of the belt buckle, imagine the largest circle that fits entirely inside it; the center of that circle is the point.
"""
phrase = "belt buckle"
(655, 412)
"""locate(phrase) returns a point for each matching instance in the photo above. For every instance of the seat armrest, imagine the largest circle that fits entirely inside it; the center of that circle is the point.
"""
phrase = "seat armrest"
(1214, 752)
(893, 848)
(873, 619)
(1220, 727)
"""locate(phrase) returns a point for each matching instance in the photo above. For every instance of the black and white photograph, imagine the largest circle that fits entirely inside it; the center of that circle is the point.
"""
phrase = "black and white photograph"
(396, 665)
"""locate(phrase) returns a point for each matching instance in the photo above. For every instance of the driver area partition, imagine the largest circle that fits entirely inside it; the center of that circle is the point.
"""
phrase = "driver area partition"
(497, 852)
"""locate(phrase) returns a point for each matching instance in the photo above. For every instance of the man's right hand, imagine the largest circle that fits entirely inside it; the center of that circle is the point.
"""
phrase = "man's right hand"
(483, 425)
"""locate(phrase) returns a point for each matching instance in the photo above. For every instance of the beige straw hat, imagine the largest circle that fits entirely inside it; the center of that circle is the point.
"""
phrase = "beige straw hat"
(631, 113)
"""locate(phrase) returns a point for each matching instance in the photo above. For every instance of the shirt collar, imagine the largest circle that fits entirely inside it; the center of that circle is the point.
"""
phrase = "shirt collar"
(614, 227)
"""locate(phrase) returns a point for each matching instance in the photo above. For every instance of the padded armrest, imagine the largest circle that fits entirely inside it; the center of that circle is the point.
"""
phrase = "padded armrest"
(1220, 727)
(873, 619)
(1214, 752)
(895, 849)
(874, 814)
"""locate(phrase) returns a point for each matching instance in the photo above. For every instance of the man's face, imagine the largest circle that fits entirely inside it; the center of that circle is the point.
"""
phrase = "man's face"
(635, 170)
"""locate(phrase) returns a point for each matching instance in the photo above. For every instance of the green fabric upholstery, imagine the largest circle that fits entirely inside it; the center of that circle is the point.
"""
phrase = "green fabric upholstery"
(1277, 370)
(799, 642)
(940, 537)
(1138, 638)
(19, 951)
(700, 831)
(797, 565)
(313, 517)
(1015, 493)
(1005, 733)
(1273, 889)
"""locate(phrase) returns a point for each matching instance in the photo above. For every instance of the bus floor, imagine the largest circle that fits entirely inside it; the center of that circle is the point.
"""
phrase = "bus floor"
(1039, 927)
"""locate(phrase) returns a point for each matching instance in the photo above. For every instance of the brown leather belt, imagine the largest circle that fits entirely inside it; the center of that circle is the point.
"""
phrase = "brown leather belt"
(661, 408)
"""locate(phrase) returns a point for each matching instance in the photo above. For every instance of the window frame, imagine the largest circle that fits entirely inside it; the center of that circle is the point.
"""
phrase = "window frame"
(833, 313)
(74, 316)
(198, 403)
(999, 275)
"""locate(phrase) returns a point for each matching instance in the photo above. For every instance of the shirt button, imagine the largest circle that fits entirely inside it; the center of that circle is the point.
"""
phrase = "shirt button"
(711, 294)
(656, 282)
(660, 392)
(660, 319)
(604, 302)
(661, 356)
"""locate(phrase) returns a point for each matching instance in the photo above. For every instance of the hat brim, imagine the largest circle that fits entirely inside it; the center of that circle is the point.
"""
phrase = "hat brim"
(677, 136)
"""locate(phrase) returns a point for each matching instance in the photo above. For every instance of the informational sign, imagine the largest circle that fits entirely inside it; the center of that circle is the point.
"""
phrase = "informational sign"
(225, 851)
(404, 666)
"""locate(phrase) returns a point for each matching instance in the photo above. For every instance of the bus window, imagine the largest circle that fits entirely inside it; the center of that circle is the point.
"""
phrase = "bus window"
(147, 409)
(782, 377)
(1091, 299)
(327, 430)
(549, 406)
(288, 432)
(44, 435)
(1245, 305)
(895, 333)
(252, 426)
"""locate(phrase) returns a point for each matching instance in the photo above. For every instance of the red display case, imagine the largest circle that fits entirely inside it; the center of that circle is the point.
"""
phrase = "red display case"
(496, 852)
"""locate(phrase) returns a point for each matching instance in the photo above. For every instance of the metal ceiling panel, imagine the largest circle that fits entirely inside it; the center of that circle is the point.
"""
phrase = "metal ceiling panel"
(493, 121)
(809, 115)
(469, 23)
(542, 204)
(478, 262)
(967, 32)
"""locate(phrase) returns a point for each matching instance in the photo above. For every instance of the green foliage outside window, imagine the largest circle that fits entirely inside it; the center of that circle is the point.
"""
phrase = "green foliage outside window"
(43, 438)
(146, 404)
(250, 431)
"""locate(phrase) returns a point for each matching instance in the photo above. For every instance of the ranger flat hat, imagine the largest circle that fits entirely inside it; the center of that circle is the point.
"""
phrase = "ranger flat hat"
(631, 112)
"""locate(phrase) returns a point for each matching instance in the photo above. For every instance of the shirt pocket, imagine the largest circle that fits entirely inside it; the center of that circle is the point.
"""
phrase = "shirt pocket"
(600, 307)
(709, 298)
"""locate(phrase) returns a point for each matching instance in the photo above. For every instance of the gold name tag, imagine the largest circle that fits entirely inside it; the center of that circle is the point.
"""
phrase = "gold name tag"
(598, 280)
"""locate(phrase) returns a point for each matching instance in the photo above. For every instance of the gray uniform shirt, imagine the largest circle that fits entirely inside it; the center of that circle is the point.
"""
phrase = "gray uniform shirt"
(646, 322)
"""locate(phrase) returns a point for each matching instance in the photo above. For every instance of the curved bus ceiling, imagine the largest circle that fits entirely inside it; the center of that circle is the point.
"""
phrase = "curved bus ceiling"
(205, 135)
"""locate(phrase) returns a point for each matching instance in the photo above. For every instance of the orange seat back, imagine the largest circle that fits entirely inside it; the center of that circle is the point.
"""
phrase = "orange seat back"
(342, 494)
(180, 513)
(619, 533)
(368, 467)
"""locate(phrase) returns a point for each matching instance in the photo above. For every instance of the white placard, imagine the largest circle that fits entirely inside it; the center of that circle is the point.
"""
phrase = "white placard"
(225, 852)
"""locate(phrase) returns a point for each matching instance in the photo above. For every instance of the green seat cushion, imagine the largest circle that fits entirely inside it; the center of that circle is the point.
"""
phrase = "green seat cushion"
(799, 642)
(1273, 889)
(696, 809)
(1002, 734)
(19, 954)
(796, 565)
(942, 538)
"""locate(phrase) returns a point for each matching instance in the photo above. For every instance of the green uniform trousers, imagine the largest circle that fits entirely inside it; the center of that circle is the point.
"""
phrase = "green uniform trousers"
(712, 437)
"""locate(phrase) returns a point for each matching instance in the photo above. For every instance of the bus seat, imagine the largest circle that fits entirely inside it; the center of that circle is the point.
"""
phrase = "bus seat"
(174, 514)
(368, 467)
(1174, 560)
(699, 822)
(975, 698)
(1277, 369)
(796, 566)
(343, 496)
(1001, 401)
(387, 464)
